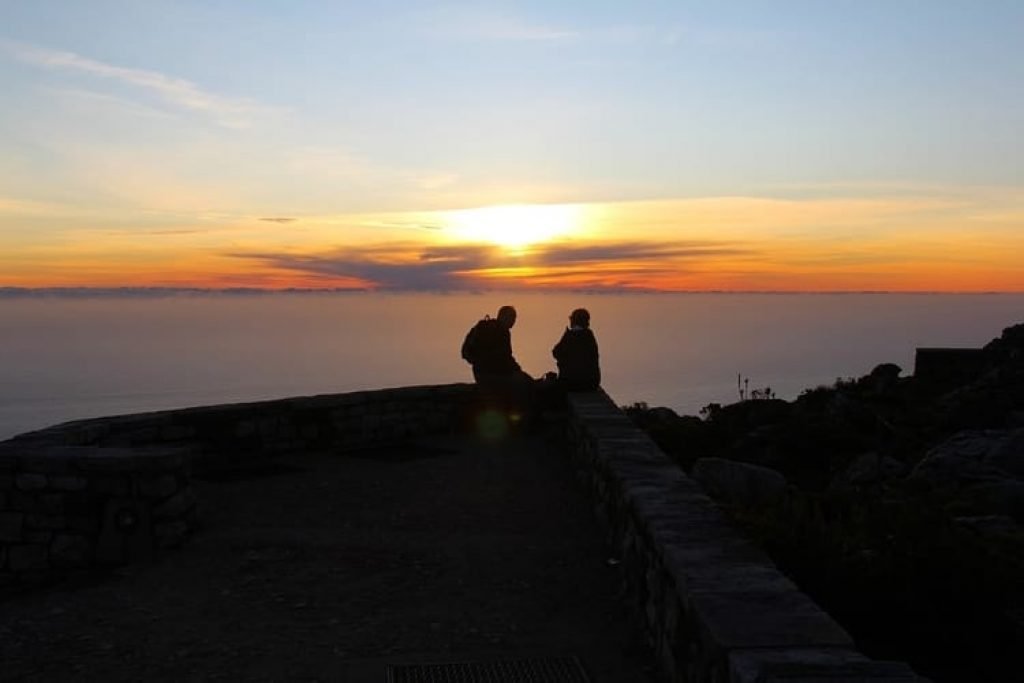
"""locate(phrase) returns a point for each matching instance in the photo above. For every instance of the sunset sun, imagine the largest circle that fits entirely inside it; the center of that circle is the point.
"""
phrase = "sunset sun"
(514, 226)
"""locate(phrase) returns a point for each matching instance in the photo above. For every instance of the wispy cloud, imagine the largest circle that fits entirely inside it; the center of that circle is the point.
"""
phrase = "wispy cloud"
(279, 219)
(182, 93)
(407, 225)
(557, 254)
(90, 102)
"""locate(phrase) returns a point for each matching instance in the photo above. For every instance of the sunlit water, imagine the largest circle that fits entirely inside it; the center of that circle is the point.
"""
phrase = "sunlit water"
(63, 359)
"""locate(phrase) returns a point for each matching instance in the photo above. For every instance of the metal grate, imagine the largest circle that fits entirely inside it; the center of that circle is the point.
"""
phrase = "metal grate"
(534, 670)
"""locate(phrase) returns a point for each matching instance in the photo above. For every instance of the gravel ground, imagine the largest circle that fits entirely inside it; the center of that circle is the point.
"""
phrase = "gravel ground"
(332, 566)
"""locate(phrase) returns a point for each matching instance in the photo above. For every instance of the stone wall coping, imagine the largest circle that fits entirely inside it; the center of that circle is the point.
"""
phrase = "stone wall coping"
(742, 610)
(43, 455)
(160, 418)
(115, 490)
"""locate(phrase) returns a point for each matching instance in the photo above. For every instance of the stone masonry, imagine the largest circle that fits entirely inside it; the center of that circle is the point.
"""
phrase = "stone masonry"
(109, 491)
(117, 490)
(715, 608)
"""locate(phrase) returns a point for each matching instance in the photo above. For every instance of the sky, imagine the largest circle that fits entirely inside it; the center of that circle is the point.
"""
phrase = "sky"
(870, 145)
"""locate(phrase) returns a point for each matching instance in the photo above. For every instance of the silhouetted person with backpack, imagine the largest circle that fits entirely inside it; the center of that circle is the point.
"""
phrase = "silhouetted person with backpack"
(488, 348)
(577, 355)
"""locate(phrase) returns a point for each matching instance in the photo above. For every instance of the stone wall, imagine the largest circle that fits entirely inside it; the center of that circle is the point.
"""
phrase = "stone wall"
(115, 490)
(715, 608)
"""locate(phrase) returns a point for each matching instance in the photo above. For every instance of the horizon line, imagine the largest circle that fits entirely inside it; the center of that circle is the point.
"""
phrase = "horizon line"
(13, 292)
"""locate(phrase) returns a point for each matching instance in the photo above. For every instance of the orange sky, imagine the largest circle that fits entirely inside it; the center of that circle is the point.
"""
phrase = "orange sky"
(637, 146)
(931, 239)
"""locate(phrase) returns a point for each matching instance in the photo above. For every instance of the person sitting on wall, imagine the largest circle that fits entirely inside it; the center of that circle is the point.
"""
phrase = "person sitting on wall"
(488, 349)
(577, 356)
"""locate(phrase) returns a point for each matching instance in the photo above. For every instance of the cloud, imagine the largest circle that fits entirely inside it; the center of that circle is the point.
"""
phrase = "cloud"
(386, 266)
(279, 219)
(89, 101)
(228, 111)
(405, 266)
(414, 225)
(556, 254)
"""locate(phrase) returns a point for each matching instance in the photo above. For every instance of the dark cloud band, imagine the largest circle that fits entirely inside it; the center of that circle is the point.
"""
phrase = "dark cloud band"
(452, 267)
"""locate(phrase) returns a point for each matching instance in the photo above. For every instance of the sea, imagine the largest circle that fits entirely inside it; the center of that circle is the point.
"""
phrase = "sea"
(68, 357)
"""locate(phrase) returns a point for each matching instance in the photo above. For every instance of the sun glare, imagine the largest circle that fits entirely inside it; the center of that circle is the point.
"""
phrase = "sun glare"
(514, 226)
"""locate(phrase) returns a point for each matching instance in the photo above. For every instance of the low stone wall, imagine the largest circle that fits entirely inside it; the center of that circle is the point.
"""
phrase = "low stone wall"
(116, 490)
(714, 606)
(68, 507)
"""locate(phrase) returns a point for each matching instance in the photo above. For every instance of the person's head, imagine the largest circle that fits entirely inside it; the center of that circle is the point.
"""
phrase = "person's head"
(580, 318)
(507, 316)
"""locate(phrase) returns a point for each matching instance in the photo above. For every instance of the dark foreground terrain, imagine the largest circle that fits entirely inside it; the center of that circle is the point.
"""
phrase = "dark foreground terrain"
(331, 567)
(896, 502)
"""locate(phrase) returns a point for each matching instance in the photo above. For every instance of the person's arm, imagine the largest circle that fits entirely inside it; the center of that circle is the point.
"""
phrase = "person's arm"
(507, 343)
(593, 347)
(595, 356)
(560, 348)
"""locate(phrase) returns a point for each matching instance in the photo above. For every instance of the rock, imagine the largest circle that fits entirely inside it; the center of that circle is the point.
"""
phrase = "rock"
(989, 401)
(869, 468)
(884, 378)
(27, 557)
(1010, 344)
(765, 411)
(965, 458)
(27, 481)
(994, 498)
(1009, 455)
(176, 506)
(886, 371)
(171, 534)
(70, 550)
(851, 411)
(11, 526)
(42, 521)
(157, 486)
(68, 483)
(662, 415)
(738, 482)
(989, 525)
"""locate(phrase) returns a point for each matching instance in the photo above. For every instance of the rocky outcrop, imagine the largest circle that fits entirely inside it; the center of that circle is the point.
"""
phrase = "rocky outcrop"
(910, 482)
(973, 456)
(981, 472)
(739, 483)
(869, 469)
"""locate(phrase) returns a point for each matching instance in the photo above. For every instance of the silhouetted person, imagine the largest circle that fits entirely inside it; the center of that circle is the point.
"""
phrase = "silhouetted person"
(488, 347)
(577, 356)
(503, 384)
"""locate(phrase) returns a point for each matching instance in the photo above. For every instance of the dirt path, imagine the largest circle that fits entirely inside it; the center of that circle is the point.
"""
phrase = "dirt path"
(326, 570)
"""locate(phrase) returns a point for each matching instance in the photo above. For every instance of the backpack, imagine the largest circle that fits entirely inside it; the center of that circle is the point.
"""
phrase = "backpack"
(481, 340)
